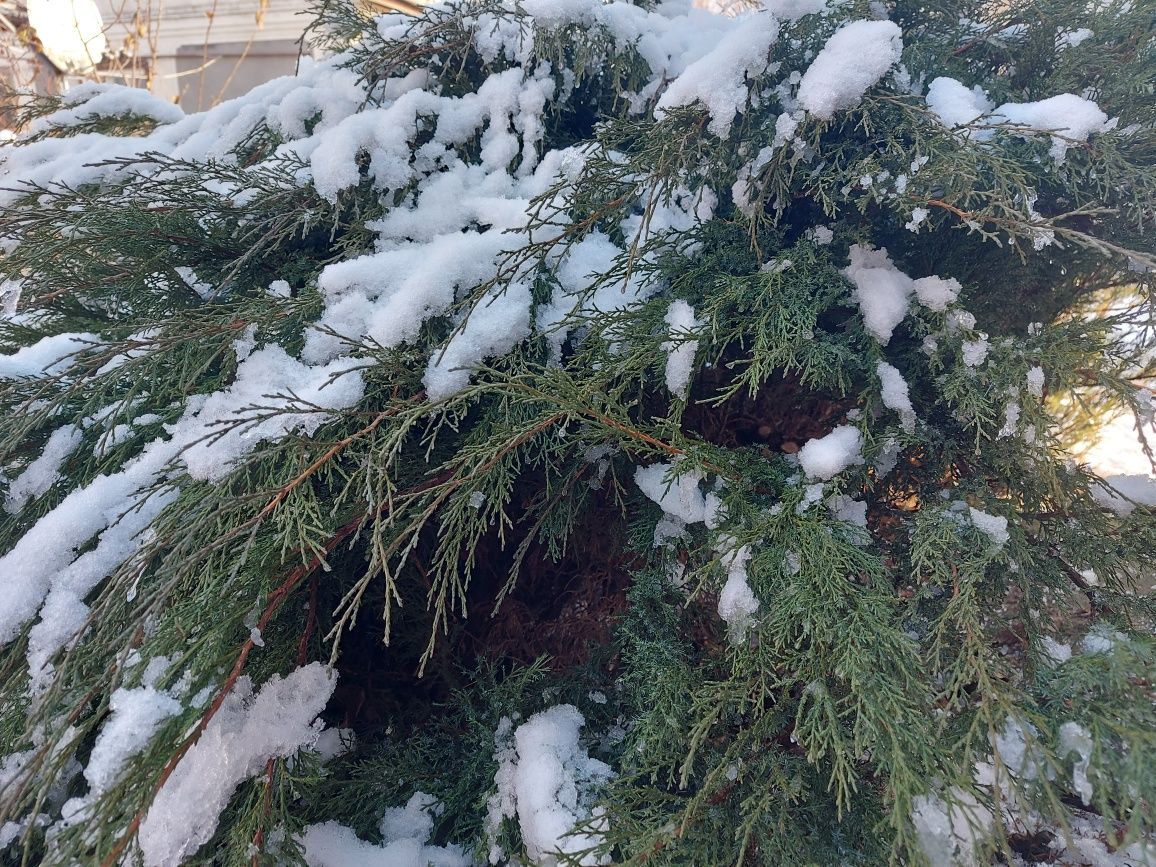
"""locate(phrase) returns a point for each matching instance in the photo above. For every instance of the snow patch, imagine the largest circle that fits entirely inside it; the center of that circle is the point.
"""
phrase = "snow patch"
(936, 293)
(135, 715)
(1070, 118)
(852, 61)
(246, 732)
(548, 781)
(992, 526)
(882, 291)
(498, 323)
(954, 104)
(45, 357)
(1124, 493)
(680, 497)
(680, 352)
(1074, 738)
(259, 406)
(826, 457)
(719, 80)
(405, 831)
(737, 603)
(42, 473)
(948, 833)
(895, 394)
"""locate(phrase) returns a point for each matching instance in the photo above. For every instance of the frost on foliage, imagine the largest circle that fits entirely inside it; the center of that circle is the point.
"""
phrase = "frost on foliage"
(548, 781)
(918, 215)
(64, 612)
(502, 804)
(821, 235)
(10, 291)
(849, 510)
(853, 514)
(246, 732)
(825, 457)
(681, 352)
(1011, 419)
(405, 835)
(719, 80)
(388, 295)
(459, 173)
(854, 59)
(44, 560)
(1073, 38)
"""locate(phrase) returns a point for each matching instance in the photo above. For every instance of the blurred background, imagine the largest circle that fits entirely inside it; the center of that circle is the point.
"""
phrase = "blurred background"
(195, 53)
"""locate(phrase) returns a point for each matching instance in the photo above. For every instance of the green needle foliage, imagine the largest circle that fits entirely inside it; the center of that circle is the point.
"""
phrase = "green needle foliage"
(211, 390)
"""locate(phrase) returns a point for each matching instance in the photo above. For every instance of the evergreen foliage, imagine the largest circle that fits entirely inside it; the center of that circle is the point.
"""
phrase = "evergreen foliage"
(309, 378)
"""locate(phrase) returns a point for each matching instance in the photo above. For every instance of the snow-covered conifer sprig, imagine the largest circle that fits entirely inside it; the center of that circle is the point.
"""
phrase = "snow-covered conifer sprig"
(548, 308)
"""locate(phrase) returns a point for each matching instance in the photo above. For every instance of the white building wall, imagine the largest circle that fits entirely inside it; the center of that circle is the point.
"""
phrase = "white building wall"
(198, 58)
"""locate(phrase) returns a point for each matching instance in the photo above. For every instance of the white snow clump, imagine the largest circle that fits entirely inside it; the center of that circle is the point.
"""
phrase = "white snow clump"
(405, 831)
(1074, 738)
(497, 324)
(548, 781)
(1069, 117)
(992, 526)
(44, 357)
(264, 379)
(680, 498)
(42, 473)
(680, 357)
(246, 732)
(852, 61)
(825, 457)
(882, 290)
(135, 716)
(956, 105)
(895, 394)
(737, 603)
(948, 834)
(719, 79)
